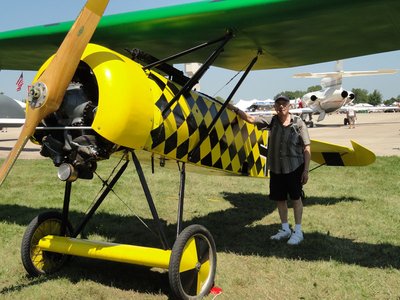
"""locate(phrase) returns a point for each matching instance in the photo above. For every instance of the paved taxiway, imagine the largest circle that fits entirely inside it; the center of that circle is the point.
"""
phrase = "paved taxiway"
(379, 132)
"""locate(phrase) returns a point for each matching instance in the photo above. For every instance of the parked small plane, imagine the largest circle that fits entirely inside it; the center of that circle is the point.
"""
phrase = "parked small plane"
(12, 112)
(332, 96)
(91, 101)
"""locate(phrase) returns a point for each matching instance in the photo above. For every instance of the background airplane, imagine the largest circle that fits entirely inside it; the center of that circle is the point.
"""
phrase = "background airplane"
(332, 96)
(12, 112)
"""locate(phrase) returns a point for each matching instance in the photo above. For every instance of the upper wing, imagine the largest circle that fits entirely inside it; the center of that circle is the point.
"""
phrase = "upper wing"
(290, 33)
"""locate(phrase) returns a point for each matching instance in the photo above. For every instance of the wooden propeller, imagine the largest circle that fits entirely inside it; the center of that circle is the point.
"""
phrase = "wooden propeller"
(47, 93)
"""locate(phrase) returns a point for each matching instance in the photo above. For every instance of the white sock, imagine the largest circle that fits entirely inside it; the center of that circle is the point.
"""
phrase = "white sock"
(297, 228)
(285, 226)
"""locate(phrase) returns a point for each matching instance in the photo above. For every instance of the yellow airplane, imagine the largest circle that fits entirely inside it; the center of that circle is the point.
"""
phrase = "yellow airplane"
(93, 100)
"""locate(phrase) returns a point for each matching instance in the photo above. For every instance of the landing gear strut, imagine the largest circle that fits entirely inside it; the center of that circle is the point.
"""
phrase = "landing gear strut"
(50, 239)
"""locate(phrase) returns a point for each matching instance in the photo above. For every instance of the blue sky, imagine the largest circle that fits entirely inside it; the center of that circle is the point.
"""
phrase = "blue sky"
(259, 84)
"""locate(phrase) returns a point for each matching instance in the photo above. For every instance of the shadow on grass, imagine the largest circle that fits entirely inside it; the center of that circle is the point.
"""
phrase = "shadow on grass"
(21, 286)
(116, 275)
(233, 230)
(120, 229)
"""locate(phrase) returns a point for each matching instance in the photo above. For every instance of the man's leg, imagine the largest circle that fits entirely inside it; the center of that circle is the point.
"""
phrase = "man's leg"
(285, 232)
(277, 192)
(297, 236)
(283, 211)
(298, 210)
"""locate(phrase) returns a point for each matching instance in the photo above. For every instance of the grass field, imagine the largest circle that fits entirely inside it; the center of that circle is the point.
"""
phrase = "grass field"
(351, 225)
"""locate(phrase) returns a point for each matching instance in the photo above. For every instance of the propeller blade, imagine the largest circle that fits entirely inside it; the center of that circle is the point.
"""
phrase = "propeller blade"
(48, 91)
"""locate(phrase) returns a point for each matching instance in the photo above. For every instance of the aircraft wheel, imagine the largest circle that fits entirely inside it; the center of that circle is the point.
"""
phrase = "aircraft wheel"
(36, 261)
(193, 263)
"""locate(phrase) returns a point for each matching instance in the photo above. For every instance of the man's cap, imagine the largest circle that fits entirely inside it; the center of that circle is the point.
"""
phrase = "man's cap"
(282, 97)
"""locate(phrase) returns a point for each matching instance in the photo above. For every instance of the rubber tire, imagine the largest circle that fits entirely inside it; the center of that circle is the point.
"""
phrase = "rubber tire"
(36, 261)
(184, 284)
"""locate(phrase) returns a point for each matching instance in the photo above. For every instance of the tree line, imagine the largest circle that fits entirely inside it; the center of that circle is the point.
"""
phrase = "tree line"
(361, 95)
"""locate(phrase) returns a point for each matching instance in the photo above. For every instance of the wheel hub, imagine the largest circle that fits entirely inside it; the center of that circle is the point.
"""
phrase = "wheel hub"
(198, 266)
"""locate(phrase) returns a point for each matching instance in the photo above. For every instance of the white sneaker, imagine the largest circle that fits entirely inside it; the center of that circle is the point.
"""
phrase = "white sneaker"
(296, 238)
(281, 235)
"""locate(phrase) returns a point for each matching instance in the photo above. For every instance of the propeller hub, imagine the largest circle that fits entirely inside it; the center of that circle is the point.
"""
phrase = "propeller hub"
(37, 95)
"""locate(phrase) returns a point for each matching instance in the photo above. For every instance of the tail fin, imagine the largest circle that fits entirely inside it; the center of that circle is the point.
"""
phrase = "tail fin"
(339, 66)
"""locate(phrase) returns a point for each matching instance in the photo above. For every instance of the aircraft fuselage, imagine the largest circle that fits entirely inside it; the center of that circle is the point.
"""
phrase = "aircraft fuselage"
(328, 100)
(128, 106)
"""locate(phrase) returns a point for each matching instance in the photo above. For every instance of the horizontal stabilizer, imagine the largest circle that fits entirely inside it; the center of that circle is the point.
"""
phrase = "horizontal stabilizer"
(345, 74)
(336, 155)
(368, 73)
(316, 75)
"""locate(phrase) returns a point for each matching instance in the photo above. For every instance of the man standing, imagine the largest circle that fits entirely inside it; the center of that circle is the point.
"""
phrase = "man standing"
(351, 117)
(288, 161)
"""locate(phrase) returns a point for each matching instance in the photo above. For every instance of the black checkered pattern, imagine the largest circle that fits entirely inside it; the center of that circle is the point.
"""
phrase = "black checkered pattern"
(232, 145)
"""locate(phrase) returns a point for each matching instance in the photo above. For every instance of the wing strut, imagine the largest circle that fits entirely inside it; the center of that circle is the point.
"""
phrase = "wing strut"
(108, 188)
(159, 62)
(182, 176)
(150, 201)
(215, 119)
(200, 72)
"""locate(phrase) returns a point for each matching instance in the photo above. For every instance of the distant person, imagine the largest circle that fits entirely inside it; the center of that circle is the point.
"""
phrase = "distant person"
(351, 117)
(288, 162)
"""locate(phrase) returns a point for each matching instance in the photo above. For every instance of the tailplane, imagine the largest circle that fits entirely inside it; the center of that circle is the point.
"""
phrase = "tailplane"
(339, 73)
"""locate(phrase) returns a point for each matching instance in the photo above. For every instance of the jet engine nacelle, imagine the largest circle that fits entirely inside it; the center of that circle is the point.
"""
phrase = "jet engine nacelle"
(351, 96)
(344, 94)
(313, 98)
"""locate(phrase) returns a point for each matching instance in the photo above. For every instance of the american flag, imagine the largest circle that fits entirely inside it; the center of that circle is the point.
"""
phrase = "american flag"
(20, 82)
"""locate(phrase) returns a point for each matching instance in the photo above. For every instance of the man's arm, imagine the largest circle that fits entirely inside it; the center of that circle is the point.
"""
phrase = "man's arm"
(243, 115)
(307, 158)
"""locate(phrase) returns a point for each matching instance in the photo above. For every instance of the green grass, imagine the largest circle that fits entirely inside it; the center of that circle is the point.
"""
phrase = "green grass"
(351, 224)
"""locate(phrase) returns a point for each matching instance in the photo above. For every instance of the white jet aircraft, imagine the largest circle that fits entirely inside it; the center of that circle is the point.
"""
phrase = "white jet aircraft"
(332, 96)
